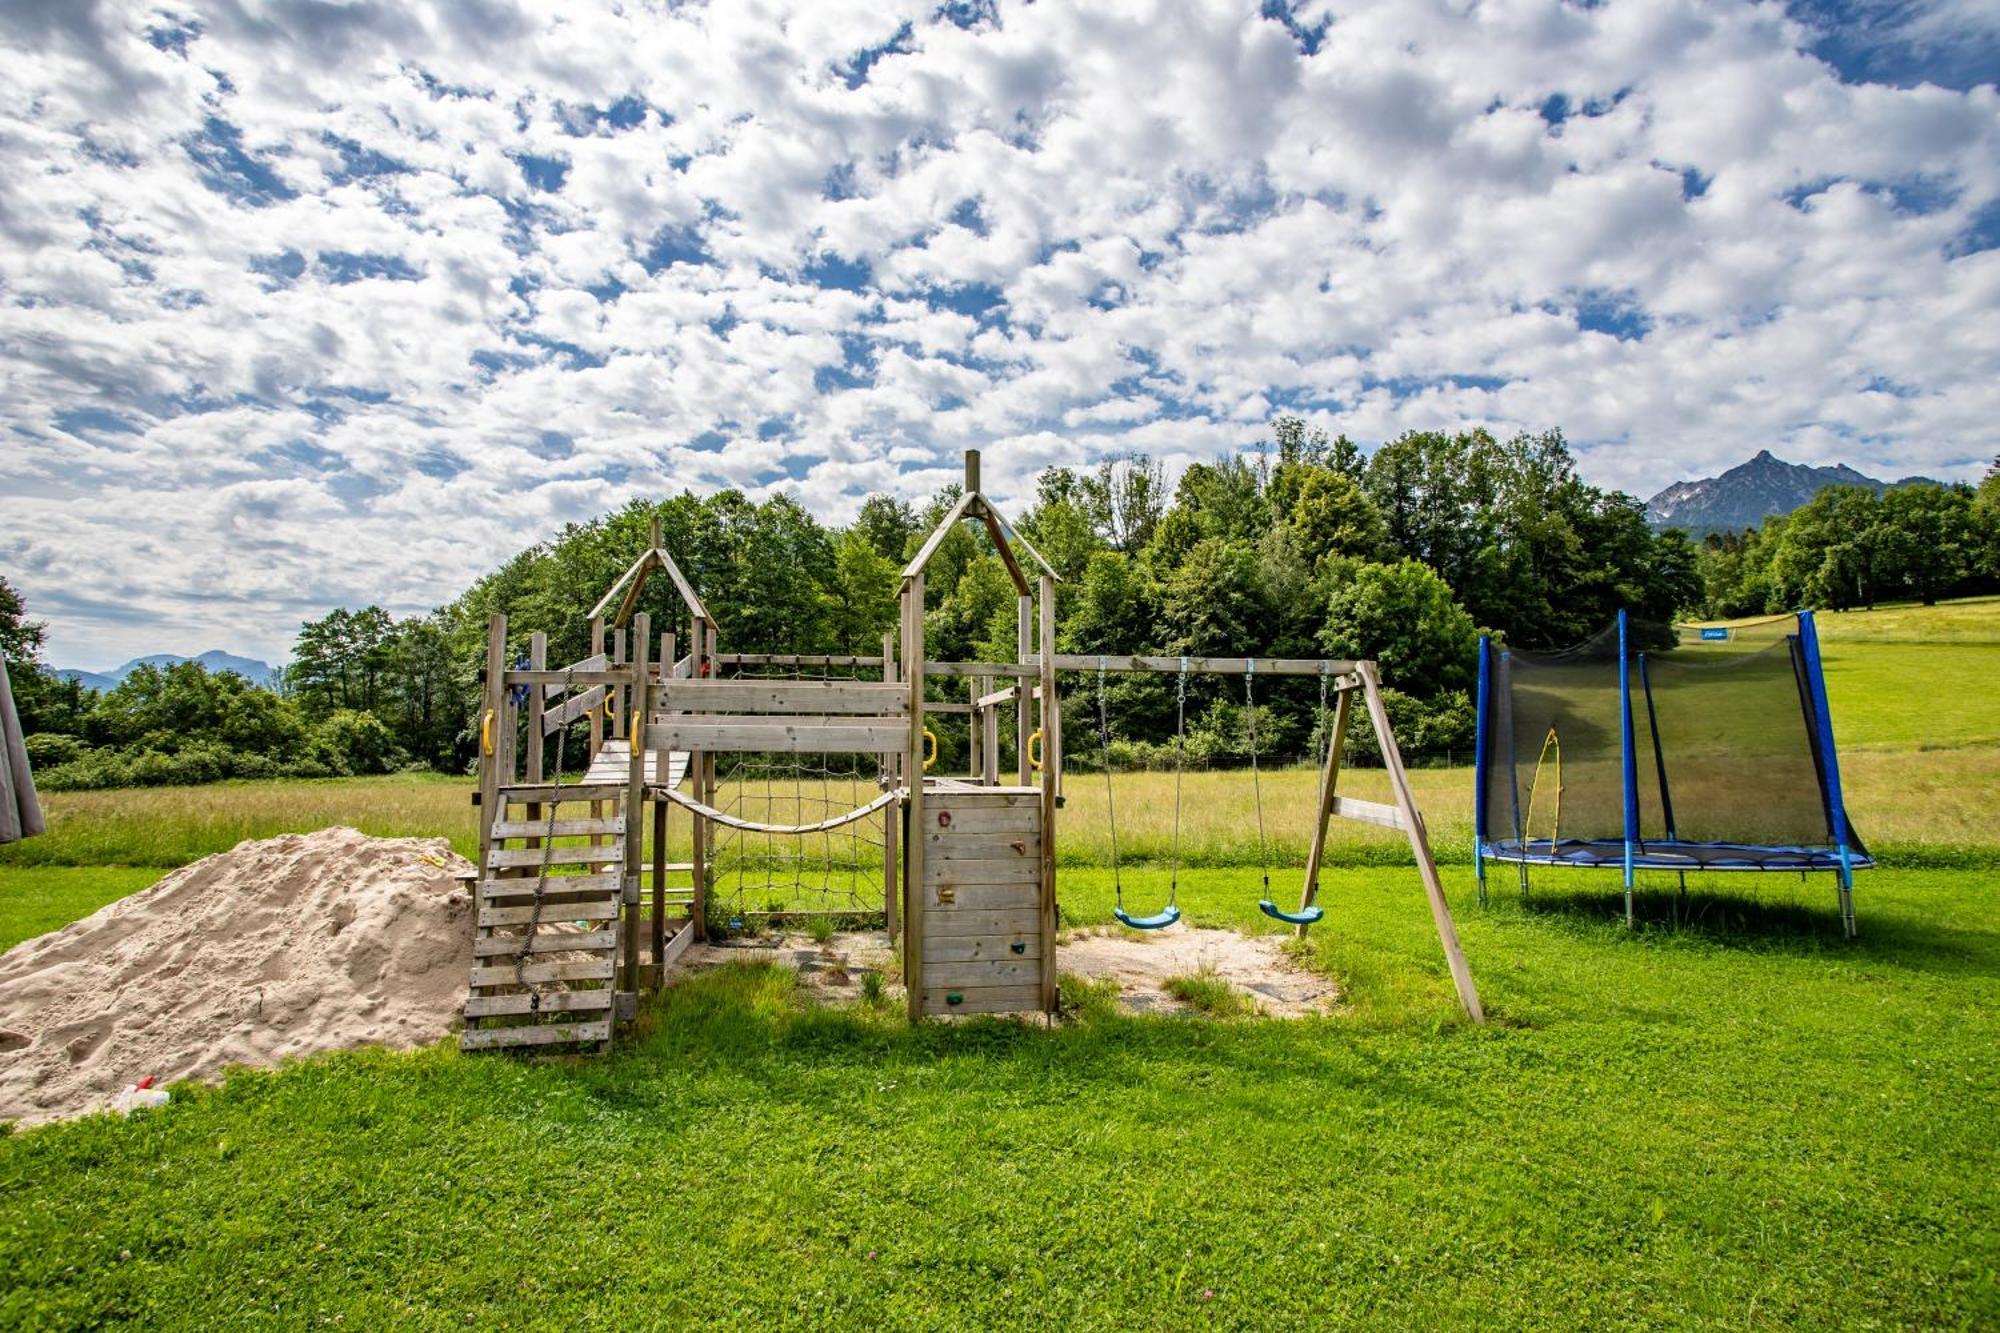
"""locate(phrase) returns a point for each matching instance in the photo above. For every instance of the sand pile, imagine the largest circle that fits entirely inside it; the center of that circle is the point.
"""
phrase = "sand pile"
(1142, 964)
(293, 945)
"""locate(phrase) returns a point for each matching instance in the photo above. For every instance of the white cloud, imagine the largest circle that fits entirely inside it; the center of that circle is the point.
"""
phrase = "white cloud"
(303, 305)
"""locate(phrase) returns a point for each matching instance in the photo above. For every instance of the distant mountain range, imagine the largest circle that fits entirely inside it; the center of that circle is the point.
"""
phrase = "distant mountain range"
(252, 670)
(1748, 493)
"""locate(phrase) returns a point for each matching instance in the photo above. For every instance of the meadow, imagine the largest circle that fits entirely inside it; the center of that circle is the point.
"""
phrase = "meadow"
(1728, 1117)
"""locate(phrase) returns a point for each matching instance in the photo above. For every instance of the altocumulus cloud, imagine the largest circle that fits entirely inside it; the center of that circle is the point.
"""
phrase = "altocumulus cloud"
(307, 303)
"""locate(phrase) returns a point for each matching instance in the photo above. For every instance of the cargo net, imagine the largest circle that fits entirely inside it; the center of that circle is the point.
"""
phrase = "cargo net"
(1725, 753)
(757, 878)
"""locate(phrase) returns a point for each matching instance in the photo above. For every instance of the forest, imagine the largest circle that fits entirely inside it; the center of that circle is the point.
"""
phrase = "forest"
(1302, 546)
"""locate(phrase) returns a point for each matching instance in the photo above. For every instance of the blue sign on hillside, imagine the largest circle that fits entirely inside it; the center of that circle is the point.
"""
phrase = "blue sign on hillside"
(1718, 632)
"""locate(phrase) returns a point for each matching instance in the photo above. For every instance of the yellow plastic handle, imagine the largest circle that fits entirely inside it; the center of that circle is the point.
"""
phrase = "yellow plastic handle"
(1035, 749)
(486, 733)
(635, 735)
(930, 748)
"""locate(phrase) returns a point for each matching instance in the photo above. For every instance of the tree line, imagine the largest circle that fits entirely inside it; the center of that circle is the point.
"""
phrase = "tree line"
(1300, 547)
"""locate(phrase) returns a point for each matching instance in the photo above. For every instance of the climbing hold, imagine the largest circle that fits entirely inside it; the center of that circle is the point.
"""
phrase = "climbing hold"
(1019, 946)
(953, 997)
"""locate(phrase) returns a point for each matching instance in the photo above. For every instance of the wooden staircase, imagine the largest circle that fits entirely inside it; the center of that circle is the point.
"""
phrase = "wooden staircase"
(549, 977)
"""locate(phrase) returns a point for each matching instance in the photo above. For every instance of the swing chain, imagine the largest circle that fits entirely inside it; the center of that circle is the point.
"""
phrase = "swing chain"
(1110, 806)
(1256, 782)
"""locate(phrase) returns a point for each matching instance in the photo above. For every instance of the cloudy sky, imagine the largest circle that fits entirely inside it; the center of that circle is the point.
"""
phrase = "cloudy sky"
(307, 303)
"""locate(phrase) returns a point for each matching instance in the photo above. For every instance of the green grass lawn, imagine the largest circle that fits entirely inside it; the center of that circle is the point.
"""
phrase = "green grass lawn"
(1741, 1122)
(1728, 1117)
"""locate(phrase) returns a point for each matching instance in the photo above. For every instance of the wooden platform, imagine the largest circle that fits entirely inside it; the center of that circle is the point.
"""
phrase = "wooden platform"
(984, 939)
(613, 764)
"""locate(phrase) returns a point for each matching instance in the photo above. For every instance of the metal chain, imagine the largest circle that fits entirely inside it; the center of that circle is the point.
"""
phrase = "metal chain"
(1256, 782)
(1180, 763)
(1110, 806)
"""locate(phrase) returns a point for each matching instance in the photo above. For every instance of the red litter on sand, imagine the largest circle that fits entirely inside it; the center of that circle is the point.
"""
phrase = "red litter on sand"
(144, 1083)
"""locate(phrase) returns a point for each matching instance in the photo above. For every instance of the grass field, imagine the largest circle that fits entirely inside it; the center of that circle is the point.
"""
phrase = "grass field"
(1731, 1117)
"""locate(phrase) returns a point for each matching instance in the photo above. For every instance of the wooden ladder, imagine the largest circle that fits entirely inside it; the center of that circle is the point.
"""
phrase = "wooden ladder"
(572, 959)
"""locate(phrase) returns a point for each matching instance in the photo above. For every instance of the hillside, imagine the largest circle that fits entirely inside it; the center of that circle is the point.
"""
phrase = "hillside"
(250, 668)
(1747, 494)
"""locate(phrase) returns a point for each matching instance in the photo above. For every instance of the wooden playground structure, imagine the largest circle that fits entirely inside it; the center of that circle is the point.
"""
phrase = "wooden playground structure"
(574, 921)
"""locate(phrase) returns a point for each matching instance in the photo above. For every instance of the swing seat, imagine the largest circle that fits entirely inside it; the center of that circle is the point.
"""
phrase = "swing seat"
(1158, 921)
(1301, 918)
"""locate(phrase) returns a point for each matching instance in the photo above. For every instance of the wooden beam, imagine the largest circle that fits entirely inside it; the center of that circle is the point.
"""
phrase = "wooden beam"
(1406, 803)
(731, 733)
(604, 602)
(818, 697)
(938, 534)
(1336, 742)
(489, 733)
(630, 603)
(998, 535)
(1051, 780)
(913, 767)
(635, 795)
(892, 818)
(800, 659)
(697, 610)
(1024, 644)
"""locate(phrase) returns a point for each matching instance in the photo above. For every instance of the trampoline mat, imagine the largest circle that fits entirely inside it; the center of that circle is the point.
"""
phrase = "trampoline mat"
(1664, 855)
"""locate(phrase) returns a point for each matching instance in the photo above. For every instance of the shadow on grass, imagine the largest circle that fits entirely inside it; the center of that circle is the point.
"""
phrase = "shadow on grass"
(748, 1020)
(1771, 921)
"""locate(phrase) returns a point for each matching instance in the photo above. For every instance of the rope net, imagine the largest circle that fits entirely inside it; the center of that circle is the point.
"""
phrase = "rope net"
(829, 871)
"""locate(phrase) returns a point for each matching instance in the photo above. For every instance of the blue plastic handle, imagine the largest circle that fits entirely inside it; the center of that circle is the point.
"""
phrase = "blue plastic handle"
(1305, 918)
(1158, 921)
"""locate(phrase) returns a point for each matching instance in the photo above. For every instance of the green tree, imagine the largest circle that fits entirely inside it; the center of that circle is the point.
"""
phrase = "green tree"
(21, 639)
(1828, 552)
(888, 525)
(1927, 539)
(1332, 516)
(865, 596)
(1403, 617)
(1215, 602)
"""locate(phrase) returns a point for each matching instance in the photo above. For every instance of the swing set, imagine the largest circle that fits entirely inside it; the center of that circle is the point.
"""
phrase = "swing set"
(1340, 684)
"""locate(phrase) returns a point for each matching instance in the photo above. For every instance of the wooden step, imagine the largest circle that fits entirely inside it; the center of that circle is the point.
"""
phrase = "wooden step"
(592, 909)
(595, 969)
(553, 1002)
(549, 795)
(545, 941)
(540, 1034)
(564, 828)
(567, 888)
(535, 857)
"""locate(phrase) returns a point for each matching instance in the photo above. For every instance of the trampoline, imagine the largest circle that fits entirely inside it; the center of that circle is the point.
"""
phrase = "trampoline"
(1664, 748)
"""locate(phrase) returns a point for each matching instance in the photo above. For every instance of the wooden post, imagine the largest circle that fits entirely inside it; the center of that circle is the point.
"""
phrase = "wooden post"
(972, 472)
(975, 730)
(698, 827)
(538, 660)
(1051, 779)
(596, 725)
(1329, 778)
(489, 733)
(892, 817)
(1024, 632)
(1406, 802)
(635, 794)
(913, 765)
(989, 744)
(660, 775)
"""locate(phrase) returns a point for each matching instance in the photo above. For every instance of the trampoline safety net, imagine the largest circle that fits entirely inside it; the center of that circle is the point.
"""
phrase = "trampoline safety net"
(1717, 740)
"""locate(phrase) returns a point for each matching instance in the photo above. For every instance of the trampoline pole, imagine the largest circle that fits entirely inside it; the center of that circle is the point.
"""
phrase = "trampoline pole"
(1660, 766)
(1631, 771)
(1479, 768)
(1829, 768)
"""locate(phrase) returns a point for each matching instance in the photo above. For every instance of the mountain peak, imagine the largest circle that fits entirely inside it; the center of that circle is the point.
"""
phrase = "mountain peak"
(1747, 494)
(255, 671)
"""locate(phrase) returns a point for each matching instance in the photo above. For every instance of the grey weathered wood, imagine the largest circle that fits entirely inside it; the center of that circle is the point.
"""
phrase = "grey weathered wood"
(595, 969)
(980, 1000)
(913, 769)
(545, 941)
(961, 921)
(1406, 802)
(1004, 845)
(980, 895)
(635, 789)
(611, 593)
(611, 675)
(984, 972)
(563, 828)
(561, 890)
(1329, 779)
(490, 777)
(1012, 819)
(840, 698)
(892, 819)
(1052, 750)
(796, 659)
(592, 909)
(1368, 812)
(538, 657)
(715, 734)
(544, 794)
(582, 854)
(553, 1002)
(924, 553)
(997, 532)
(983, 948)
(541, 1034)
(586, 704)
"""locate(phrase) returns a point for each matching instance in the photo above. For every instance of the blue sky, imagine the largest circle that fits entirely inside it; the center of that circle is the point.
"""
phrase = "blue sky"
(312, 304)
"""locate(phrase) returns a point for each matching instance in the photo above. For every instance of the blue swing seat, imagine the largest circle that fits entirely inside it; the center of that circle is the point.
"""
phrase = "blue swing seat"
(1158, 921)
(1305, 917)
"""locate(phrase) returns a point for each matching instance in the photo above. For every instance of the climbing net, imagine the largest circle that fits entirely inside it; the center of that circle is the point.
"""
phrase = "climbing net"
(836, 870)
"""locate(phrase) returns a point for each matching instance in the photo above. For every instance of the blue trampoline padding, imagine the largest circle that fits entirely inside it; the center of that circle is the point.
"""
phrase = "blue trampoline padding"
(1304, 917)
(1667, 855)
(1158, 921)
